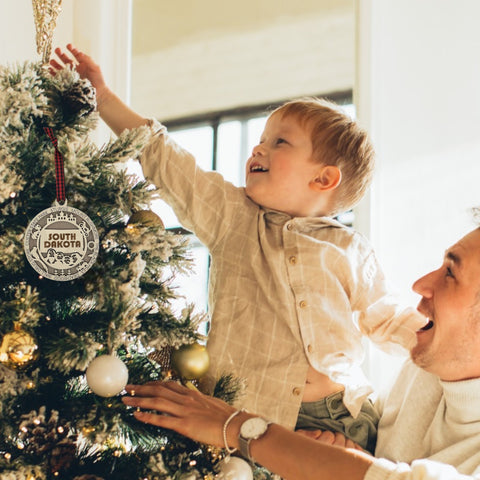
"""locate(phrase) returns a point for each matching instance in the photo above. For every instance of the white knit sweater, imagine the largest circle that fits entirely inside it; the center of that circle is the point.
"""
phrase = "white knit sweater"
(429, 429)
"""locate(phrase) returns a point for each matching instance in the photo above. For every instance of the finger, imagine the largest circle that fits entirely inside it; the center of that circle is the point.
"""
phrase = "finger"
(154, 403)
(154, 388)
(340, 439)
(55, 65)
(78, 55)
(326, 437)
(351, 444)
(163, 421)
(310, 433)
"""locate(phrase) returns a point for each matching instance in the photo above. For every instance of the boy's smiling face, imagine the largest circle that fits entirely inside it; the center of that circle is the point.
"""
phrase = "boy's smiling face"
(280, 170)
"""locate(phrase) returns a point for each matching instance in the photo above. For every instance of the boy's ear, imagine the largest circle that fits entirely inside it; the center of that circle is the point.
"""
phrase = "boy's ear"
(327, 178)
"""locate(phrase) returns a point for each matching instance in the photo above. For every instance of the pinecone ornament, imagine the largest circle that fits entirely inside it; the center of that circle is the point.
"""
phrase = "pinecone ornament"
(79, 99)
(50, 438)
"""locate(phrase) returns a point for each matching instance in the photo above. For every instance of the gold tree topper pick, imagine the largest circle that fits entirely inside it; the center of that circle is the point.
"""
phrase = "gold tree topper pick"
(45, 13)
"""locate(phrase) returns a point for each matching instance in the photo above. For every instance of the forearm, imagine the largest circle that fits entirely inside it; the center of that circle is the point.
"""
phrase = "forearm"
(295, 457)
(117, 114)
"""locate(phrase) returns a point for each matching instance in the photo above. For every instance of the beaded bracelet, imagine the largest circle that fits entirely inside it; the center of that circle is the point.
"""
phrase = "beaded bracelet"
(225, 425)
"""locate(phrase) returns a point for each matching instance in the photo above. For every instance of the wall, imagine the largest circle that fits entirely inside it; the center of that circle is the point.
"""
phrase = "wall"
(215, 55)
(417, 93)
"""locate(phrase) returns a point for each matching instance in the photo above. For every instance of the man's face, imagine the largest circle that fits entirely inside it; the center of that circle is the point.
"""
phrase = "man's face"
(449, 346)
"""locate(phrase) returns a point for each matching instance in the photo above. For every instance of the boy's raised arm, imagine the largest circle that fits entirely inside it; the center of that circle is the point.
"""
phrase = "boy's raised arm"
(115, 113)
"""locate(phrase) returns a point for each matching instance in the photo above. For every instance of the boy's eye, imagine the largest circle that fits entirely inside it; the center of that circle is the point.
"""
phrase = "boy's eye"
(281, 140)
(449, 273)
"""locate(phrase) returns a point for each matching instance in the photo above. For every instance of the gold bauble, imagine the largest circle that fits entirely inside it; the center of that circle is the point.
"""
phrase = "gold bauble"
(19, 349)
(145, 218)
(191, 362)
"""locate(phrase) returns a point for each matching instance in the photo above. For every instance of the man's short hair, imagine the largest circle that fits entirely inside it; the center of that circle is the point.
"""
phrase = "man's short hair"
(337, 140)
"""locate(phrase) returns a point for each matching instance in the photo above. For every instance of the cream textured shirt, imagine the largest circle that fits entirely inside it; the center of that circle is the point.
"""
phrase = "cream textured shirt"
(283, 290)
(428, 430)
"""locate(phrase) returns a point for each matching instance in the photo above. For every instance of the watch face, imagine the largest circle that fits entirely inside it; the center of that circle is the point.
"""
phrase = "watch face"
(253, 427)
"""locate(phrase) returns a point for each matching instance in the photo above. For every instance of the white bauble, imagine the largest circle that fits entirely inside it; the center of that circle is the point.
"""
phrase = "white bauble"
(107, 375)
(235, 468)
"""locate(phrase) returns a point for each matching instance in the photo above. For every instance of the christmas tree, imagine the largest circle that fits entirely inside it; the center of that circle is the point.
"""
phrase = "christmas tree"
(60, 410)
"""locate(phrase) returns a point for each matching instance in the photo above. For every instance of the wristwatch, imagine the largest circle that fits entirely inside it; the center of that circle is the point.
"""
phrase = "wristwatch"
(251, 429)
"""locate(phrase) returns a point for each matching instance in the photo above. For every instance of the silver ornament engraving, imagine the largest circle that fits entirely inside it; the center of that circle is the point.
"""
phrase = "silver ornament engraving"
(61, 243)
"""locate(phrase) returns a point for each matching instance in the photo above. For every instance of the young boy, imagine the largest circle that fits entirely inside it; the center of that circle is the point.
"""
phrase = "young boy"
(285, 279)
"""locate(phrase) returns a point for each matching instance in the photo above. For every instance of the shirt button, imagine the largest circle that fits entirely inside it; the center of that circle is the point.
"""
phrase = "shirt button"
(293, 260)
(289, 226)
(303, 304)
(297, 391)
(310, 349)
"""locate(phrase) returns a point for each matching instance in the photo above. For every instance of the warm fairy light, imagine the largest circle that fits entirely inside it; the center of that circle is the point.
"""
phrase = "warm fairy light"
(36, 421)
(30, 385)
(24, 429)
(117, 453)
(60, 429)
(13, 194)
(192, 463)
(20, 445)
(56, 474)
(8, 456)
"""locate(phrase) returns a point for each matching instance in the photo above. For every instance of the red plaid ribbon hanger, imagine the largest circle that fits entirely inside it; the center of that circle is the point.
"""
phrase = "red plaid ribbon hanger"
(59, 167)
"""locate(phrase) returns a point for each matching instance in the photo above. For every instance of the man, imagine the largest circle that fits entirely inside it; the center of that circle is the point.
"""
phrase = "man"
(430, 421)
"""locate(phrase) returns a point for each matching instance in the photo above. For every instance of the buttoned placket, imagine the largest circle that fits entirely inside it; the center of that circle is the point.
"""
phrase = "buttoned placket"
(294, 269)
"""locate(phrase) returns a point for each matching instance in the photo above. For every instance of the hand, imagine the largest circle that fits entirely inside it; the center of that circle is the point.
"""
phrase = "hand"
(330, 438)
(83, 64)
(188, 412)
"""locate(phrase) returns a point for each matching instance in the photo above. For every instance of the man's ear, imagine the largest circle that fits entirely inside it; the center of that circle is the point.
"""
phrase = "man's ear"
(327, 178)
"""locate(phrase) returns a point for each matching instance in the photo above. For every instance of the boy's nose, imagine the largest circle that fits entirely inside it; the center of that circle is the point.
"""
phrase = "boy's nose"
(257, 150)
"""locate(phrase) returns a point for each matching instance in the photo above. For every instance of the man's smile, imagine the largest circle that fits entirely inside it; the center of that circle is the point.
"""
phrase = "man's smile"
(256, 167)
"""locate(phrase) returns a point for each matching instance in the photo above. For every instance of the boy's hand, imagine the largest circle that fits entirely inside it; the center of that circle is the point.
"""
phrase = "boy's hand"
(83, 64)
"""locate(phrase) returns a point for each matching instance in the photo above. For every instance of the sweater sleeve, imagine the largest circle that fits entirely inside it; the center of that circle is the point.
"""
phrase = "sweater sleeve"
(202, 200)
(382, 469)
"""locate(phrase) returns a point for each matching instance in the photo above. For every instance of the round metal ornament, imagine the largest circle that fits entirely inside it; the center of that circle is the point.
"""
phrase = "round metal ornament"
(61, 243)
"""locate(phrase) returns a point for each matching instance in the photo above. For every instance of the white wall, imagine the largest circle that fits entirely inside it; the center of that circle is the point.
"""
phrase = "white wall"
(418, 94)
(254, 52)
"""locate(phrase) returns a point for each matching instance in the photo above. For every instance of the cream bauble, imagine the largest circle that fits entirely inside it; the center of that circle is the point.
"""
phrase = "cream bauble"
(235, 468)
(107, 375)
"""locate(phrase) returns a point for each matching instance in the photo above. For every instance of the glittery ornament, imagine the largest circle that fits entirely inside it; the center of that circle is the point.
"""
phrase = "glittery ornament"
(145, 218)
(45, 13)
(19, 349)
(191, 362)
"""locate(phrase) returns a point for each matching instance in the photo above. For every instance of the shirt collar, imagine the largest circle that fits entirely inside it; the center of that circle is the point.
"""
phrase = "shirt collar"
(303, 223)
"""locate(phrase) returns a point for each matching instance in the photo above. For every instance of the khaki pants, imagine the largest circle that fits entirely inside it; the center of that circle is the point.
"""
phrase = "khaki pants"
(331, 414)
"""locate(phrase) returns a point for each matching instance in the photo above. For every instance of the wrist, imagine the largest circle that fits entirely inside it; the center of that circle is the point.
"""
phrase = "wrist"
(232, 430)
(104, 96)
